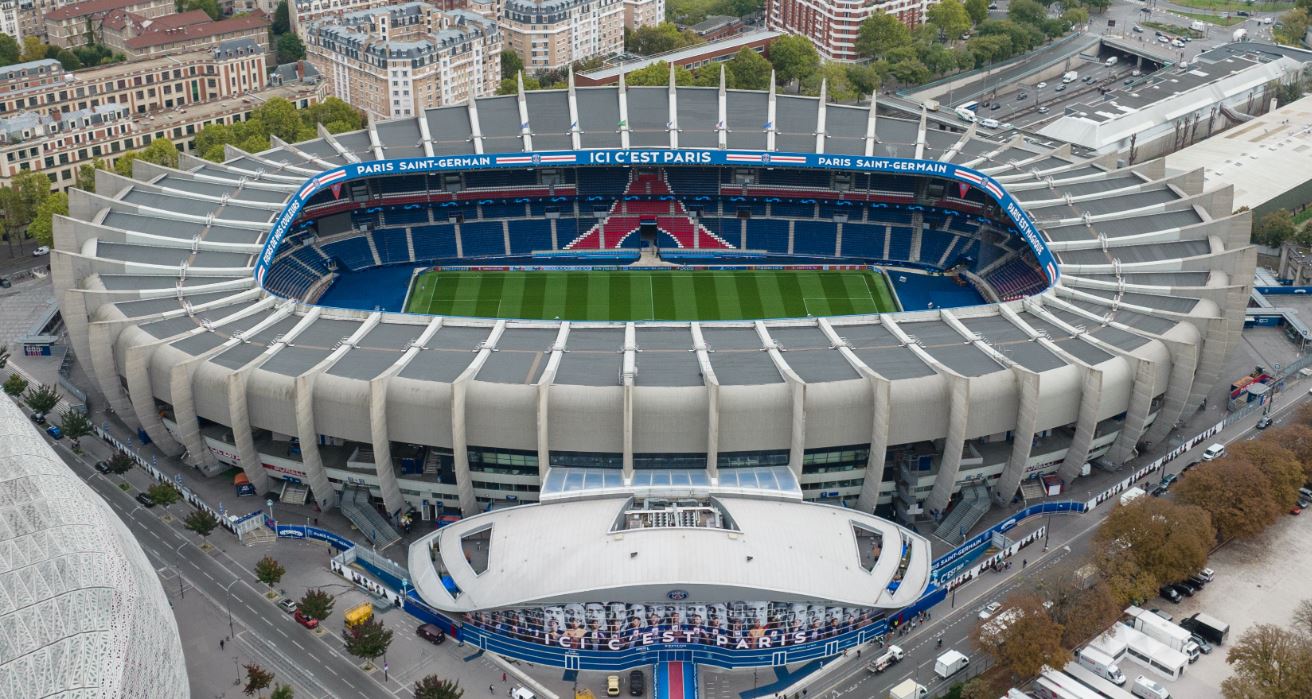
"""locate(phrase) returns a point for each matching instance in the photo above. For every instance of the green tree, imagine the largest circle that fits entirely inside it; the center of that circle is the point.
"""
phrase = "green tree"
(950, 17)
(659, 38)
(21, 200)
(747, 70)
(33, 49)
(333, 113)
(15, 385)
(865, 78)
(86, 175)
(201, 522)
(42, 398)
(368, 640)
(280, 118)
(290, 48)
(511, 64)
(1075, 16)
(1151, 541)
(794, 57)
(978, 10)
(211, 7)
(68, 60)
(282, 20)
(75, 425)
(1275, 228)
(1270, 662)
(269, 571)
(282, 691)
(1234, 492)
(9, 50)
(163, 494)
(160, 151)
(839, 88)
(42, 226)
(257, 678)
(881, 33)
(120, 463)
(1027, 12)
(430, 687)
(658, 74)
(1029, 641)
(316, 604)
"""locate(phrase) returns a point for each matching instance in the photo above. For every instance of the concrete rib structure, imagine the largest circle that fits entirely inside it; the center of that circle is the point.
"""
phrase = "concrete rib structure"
(154, 278)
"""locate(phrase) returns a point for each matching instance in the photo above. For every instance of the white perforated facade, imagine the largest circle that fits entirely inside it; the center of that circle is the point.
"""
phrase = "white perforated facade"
(82, 613)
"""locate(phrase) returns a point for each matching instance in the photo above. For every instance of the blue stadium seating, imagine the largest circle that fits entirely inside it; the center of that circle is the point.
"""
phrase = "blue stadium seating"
(854, 212)
(434, 242)
(815, 237)
(765, 234)
(899, 245)
(502, 210)
(398, 216)
(864, 240)
(567, 229)
(500, 178)
(398, 184)
(529, 236)
(312, 259)
(608, 181)
(289, 280)
(352, 252)
(889, 215)
(391, 245)
(932, 245)
(361, 218)
(730, 229)
(693, 181)
(482, 238)
(792, 209)
(794, 178)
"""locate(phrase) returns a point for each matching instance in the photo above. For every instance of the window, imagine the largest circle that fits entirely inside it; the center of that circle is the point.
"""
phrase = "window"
(752, 459)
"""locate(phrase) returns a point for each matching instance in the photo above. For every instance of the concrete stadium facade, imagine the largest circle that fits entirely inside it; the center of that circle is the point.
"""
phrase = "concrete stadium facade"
(154, 276)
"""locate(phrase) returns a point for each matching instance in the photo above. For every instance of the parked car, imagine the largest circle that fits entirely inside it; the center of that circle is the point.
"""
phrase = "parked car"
(102, 466)
(1159, 491)
(1169, 479)
(1207, 574)
(55, 432)
(1264, 423)
(306, 621)
(612, 685)
(995, 107)
(1043, 110)
(1197, 580)
(637, 683)
(431, 633)
(41, 251)
(1169, 594)
(287, 605)
(1189, 585)
(145, 500)
(989, 610)
(1138, 29)
(1182, 590)
(39, 418)
(1202, 643)
(1040, 86)
(1242, 13)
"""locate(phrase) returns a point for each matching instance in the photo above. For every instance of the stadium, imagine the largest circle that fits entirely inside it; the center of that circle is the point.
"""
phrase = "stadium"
(665, 303)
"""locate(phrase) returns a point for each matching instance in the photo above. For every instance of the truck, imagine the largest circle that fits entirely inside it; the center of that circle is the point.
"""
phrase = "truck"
(950, 663)
(1112, 61)
(910, 689)
(1131, 495)
(1207, 626)
(1239, 35)
(887, 660)
(1198, 26)
(1100, 664)
(1153, 626)
(1070, 76)
(359, 614)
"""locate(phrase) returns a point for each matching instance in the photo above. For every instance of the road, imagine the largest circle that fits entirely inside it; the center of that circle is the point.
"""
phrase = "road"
(1071, 537)
(311, 663)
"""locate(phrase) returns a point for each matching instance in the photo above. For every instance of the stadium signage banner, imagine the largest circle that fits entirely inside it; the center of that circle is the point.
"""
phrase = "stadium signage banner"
(656, 156)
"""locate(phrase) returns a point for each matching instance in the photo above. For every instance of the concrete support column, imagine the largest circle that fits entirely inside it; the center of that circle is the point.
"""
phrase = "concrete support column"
(1086, 426)
(882, 404)
(142, 395)
(1136, 416)
(382, 445)
(1184, 362)
(543, 387)
(303, 399)
(1022, 437)
(953, 444)
(184, 412)
(712, 394)
(460, 447)
(1211, 361)
(101, 338)
(240, 419)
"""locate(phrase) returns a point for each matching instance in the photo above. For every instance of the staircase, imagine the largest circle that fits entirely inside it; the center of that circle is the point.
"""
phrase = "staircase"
(410, 242)
(626, 217)
(294, 493)
(973, 506)
(357, 508)
(373, 249)
(917, 233)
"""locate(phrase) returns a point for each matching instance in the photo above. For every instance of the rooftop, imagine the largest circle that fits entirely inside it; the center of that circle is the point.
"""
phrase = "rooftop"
(679, 55)
(172, 33)
(91, 7)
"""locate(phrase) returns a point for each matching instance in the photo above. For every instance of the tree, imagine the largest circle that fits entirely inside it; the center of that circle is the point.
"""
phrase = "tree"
(1083, 610)
(316, 604)
(120, 463)
(840, 89)
(290, 48)
(42, 227)
(1275, 228)
(33, 49)
(211, 7)
(161, 151)
(1302, 617)
(881, 33)
(269, 571)
(163, 494)
(15, 385)
(86, 175)
(1280, 466)
(333, 113)
(282, 20)
(368, 640)
(201, 522)
(1234, 492)
(282, 691)
(511, 64)
(1292, 26)
(430, 687)
(9, 50)
(1075, 16)
(68, 60)
(978, 10)
(658, 74)
(25, 194)
(1269, 662)
(1027, 12)
(747, 70)
(280, 118)
(75, 425)
(1151, 541)
(1297, 438)
(42, 399)
(257, 678)
(865, 78)
(793, 57)
(659, 38)
(1027, 641)
(950, 17)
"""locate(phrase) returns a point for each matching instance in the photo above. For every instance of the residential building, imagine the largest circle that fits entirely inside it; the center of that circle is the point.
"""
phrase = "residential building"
(642, 13)
(718, 27)
(67, 26)
(833, 25)
(551, 34)
(22, 76)
(11, 20)
(104, 112)
(692, 57)
(302, 12)
(139, 37)
(399, 60)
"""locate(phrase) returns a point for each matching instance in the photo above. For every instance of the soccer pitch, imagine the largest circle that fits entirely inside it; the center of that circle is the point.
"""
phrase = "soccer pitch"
(652, 295)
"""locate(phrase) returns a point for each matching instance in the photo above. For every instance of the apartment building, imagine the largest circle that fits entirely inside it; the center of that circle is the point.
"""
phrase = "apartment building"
(77, 24)
(551, 34)
(641, 13)
(11, 20)
(139, 37)
(399, 60)
(833, 25)
(33, 74)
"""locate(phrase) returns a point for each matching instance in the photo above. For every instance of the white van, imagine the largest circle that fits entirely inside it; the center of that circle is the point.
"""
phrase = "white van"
(1148, 689)
(1214, 452)
(990, 123)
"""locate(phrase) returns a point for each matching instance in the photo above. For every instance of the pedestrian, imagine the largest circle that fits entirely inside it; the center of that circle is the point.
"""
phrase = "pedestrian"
(858, 653)
(1024, 563)
(503, 677)
(490, 690)
(220, 644)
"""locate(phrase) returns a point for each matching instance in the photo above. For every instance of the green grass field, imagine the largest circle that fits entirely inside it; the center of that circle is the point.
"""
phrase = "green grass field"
(681, 295)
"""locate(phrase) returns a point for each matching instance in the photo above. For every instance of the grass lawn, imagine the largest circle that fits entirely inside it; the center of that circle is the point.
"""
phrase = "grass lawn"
(1213, 19)
(1173, 29)
(1233, 6)
(650, 295)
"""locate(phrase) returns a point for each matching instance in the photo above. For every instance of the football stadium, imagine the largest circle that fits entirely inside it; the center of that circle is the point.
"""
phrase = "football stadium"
(648, 344)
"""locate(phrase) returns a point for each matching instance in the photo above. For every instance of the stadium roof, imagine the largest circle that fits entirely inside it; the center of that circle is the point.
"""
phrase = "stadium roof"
(781, 549)
(81, 607)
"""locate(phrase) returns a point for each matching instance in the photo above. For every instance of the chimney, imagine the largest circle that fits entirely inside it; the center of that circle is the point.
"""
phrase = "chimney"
(300, 70)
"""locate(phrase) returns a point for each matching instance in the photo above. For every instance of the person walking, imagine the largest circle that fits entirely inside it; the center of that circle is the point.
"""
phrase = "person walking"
(220, 644)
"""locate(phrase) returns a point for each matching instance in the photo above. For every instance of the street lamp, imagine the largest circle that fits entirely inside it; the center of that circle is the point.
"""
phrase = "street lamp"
(228, 589)
(269, 504)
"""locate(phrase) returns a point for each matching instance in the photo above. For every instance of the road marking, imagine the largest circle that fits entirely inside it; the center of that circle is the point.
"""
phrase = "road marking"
(298, 645)
(330, 669)
(280, 631)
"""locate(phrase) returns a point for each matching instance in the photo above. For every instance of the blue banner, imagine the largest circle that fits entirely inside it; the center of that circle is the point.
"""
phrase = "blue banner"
(1029, 232)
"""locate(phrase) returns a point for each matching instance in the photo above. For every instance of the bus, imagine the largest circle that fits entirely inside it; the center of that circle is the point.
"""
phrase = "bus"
(1072, 688)
(1046, 687)
(1096, 683)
